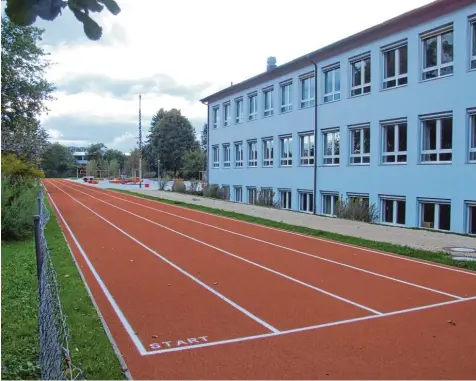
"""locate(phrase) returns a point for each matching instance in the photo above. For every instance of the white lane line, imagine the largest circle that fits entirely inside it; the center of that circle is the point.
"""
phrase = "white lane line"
(238, 257)
(395, 256)
(224, 298)
(289, 249)
(125, 323)
(310, 328)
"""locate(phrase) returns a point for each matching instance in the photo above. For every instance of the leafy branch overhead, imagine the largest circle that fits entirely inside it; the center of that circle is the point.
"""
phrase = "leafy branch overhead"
(25, 12)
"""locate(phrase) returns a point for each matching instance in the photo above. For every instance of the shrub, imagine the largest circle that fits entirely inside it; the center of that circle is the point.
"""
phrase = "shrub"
(213, 191)
(194, 187)
(18, 169)
(179, 187)
(265, 197)
(163, 182)
(356, 209)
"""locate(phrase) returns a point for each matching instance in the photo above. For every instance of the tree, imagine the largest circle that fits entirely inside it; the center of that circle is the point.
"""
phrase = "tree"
(92, 168)
(25, 12)
(114, 154)
(204, 144)
(114, 167)
(24, 90)
(193, 163)
(57, 160)
(96, 152)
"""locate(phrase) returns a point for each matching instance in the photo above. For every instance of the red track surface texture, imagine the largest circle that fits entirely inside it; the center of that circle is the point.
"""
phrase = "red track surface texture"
(189, 295)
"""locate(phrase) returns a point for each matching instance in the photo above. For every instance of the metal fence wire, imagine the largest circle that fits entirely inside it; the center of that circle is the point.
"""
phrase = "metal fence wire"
(55, 357)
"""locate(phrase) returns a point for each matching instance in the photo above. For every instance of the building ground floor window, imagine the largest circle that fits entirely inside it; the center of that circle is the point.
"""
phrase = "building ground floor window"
(226, 192)
(306, 201)
(392, 210)
(238, 194)
(329, 201)
(471, 210)
(435, 214)
(251, 195)
(285, 199)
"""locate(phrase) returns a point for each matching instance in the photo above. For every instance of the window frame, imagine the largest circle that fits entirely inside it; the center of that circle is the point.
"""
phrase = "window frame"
(215, 116)
(438, 33)
(239, 163)
(226, 114)
(398, 75)
(252, 161)
(268, 162)
(334, 94)
(469, 221)
(472, 136)
(254, 193)
(363, 155)
(309, 99)
(310, 201)
(308, 160)
(268, 111)
(334, 198)
(438, 150)
(362, 59)
(226, 149)
(235, 193)
(216, 156)
(286, 107)
(285, 161)
(395, 200)
(335, 159)
(239, 110)
(396, 124)
(285, 202)
(472, 42)
(438, 203)
(252, 101)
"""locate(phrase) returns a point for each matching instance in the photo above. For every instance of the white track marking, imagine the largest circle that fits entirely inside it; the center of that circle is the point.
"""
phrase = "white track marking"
(310, 328)
(396, 256)
(286, 248)
(235, 256)
(224, 298)
(140, 347)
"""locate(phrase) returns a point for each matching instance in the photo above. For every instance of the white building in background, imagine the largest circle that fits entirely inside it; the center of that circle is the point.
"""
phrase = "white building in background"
(387, 115)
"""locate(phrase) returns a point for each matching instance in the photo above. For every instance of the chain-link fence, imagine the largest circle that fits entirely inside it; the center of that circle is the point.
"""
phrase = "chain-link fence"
(55, 359)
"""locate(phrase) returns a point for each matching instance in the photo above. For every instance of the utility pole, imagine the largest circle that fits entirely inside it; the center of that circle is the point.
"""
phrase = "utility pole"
(140, 143)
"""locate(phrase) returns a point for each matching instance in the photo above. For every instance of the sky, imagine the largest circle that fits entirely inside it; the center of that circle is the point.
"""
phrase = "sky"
(175, 52)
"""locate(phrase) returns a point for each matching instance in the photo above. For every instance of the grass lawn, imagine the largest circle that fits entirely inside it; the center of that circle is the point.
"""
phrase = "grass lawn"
(90, 347)
(437, 257)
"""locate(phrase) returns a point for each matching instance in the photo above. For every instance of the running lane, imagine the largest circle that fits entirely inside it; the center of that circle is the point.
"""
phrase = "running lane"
(282, 303)
(381, 294)
(444, 278)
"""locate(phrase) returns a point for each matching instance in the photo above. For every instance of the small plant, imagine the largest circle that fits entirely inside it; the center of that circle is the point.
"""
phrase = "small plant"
(163, 182)
(213, 191)
(265, 197)
(357, 209)
(194, 187)
(179, 187)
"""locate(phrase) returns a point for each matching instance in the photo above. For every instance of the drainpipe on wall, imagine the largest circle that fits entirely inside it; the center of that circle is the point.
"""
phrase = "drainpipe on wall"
(208, 140)
(315, 136)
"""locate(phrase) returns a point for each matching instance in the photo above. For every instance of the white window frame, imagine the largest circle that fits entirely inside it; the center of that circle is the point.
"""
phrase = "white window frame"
(252, 106)
(216, 156)
(239, 110)
(239, 154)
(238, 193)
(364, 87)
(437, 203)
(394, 200)
(216, 116)
(333, 158)
(309, 201)
(268, 152)
(226, 155)
(438, 151)
(285, 161)
(307, 160)
(401, 79)
(472, 43)
(226, 114)
(384, 128)
(286, 97)
(253, 192)
(333, 95)
(364, 156)
(439, 66)
(308, 98)
(469, 221)
(268, 111)
(252, 159)
(472, 136)
(285, 199)
(334, 198)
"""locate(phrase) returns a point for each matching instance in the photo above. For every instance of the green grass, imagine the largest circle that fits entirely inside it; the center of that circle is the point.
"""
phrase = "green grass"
(437, 257)
(90, 347)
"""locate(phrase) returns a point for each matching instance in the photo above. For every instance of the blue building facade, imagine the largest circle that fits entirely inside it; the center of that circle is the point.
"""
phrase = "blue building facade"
(387, 115)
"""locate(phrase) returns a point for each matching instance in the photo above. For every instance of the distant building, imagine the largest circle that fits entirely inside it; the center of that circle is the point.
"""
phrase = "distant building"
(81, 158)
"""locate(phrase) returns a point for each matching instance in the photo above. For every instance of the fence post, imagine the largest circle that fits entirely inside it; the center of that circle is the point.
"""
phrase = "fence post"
(38, 203)
(39, 254)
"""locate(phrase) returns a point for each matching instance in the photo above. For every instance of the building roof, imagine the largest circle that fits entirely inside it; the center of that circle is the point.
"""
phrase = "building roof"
(80, 153)
(404, 21)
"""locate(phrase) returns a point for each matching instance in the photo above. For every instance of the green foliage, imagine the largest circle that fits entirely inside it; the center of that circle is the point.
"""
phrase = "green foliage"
(57, 161)
(25, 12)
(356, 209)
(18, 169)
(95, 151)
(266, 197)
(114, 154)
(193, 162)
(91, 168)
(114, 167)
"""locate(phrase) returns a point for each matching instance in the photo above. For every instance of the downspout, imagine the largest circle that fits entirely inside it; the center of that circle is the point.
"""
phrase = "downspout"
(208, 140)
(315, 136)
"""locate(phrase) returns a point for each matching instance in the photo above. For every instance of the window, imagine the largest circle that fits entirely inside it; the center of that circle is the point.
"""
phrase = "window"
(285, 199)
(266, 196)
(286, 97)
(392, 210)
(395, 67)
(307, 92)
(239, 155)
(286, 151)
(331, 141)
(306, 202)
(252, 154)
(307, 149)
(332, 84)
(239, 110)
(216, 116)
(238, 193)
(362, 199)
(227, 114)
(437, 139)
(226, 155)
(435, 214)
(472, 137)
(394, 142)
(268, 152)
(472, 57)
(329, 202)
(251, 195)
(252, 106)
(268, 102)
(360, 76)
(471, 213)
(216, 157)
(226, 192)
(360, 145)
(438, 54)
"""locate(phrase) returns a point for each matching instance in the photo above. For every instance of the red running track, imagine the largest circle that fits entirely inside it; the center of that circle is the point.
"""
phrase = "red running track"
(189, 295)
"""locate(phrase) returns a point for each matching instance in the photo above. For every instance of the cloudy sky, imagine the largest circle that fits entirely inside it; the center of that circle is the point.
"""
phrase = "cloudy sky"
(175, 52)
